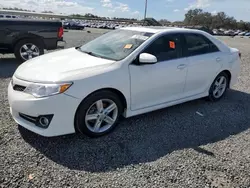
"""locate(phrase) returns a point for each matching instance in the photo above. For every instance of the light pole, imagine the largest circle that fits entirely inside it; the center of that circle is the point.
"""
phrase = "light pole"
(145, 14)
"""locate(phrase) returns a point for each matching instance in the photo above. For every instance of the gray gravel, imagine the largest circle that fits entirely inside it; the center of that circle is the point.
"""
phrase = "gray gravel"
(173, 147)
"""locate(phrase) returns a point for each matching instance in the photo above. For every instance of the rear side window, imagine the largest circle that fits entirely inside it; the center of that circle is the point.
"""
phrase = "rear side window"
(197, 44)
(165, 48)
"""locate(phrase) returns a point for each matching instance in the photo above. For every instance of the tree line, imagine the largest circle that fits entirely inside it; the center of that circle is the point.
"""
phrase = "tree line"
(19, 9)
(214, 21)
(25, 10)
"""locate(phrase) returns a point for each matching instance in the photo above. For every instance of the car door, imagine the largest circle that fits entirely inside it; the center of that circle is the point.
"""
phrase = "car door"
(154, 84)
(6, 34)
(204, 61)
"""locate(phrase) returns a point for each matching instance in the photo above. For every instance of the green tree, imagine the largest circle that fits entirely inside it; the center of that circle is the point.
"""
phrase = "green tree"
(198, 17)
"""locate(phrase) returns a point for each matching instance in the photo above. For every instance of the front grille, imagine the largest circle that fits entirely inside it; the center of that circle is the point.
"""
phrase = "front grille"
(19, 88)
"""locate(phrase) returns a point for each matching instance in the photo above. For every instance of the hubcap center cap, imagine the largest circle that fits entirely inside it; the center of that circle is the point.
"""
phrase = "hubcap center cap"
(102, 116)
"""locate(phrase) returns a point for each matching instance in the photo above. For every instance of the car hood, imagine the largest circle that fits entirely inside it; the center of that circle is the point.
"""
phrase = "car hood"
(61, 66)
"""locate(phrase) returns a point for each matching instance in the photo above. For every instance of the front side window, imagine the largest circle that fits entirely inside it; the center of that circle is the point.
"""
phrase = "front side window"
(198, 44)
(165, 48)
(116, 45)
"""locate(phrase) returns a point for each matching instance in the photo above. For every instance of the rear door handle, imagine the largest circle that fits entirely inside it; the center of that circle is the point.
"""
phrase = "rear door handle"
(182, 66)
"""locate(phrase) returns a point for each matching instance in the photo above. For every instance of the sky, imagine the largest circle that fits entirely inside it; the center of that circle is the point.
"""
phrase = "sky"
(173, 10)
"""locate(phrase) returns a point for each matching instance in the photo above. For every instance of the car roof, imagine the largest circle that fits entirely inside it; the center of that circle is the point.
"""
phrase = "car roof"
(160, 29)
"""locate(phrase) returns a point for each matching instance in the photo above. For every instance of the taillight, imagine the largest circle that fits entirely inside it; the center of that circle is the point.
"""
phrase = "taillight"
(60, 32)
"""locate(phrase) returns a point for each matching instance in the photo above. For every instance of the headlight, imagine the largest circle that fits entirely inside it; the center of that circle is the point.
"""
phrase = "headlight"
(45, 90)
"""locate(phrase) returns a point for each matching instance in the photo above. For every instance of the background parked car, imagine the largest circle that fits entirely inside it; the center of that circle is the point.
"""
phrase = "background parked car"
(8, 16)
(242, 33)
(229, 33)
(218, 32)
(247, 34)
(73, 25)
(237, 32)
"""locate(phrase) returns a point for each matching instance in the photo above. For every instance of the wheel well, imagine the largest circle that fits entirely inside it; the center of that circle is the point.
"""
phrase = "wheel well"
(117, 92)
(30, 36)
(229, 76)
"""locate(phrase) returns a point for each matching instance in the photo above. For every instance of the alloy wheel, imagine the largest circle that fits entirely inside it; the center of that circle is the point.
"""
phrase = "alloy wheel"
(101, 116)
(220, 86)
(29, 51)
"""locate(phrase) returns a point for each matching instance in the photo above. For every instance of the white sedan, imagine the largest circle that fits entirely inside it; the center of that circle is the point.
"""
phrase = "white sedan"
(125, 72)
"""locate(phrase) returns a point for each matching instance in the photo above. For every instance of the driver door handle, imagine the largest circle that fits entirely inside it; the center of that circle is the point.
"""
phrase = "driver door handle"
(182, 66)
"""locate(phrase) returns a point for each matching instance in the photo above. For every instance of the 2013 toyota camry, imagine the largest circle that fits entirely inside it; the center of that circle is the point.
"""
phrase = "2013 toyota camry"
(125, 72)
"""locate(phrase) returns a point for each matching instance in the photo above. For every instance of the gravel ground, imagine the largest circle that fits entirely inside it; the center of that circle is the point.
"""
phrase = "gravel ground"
(173, 147)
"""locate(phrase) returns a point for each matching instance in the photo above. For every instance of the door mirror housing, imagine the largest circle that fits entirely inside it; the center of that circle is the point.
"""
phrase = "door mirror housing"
(146, 58)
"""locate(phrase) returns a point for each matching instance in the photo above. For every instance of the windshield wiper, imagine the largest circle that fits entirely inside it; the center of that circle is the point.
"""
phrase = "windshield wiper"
(91, 53)
(94, 54)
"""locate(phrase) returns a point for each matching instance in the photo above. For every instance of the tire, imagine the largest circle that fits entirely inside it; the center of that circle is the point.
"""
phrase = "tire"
(214, 87)
(89, 107)
(30, 43)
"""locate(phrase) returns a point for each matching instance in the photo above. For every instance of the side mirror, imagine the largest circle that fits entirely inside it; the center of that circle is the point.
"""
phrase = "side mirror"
(146, 58)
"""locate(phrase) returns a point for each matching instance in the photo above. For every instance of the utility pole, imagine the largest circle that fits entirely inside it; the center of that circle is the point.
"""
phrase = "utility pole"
(146, 7)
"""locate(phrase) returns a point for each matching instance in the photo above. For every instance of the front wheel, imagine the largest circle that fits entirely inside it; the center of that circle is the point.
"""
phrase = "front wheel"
(219, 87)
(98, 114)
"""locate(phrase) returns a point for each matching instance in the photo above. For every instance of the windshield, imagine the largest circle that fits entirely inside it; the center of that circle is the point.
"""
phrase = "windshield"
(116, 45)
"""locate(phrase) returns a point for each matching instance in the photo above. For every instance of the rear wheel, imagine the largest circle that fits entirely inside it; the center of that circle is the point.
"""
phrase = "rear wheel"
(219, 87)
(28, 48)
(98, 114)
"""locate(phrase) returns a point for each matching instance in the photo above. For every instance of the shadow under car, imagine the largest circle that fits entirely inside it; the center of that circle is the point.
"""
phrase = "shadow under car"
(148, 137)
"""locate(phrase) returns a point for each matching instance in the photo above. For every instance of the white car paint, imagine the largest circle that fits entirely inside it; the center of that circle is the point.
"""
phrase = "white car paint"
(166, 75)
(63, 106)
(145, 88)
(59, 66)
(198, 67)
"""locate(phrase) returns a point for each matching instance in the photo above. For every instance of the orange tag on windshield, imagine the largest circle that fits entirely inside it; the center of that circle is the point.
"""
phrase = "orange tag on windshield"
(128, 46)
(172, 44)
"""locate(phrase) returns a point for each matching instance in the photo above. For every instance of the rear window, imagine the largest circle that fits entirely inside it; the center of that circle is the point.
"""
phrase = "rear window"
(198, 44)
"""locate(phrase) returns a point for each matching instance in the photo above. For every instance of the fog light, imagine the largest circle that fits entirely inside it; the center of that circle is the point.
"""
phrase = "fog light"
(44, 121)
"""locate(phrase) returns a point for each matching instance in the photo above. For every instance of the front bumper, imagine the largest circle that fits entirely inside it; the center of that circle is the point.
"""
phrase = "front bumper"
(63, 108)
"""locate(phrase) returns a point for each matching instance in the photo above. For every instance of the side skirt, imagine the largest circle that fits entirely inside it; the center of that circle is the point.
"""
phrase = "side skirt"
(130, 113)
